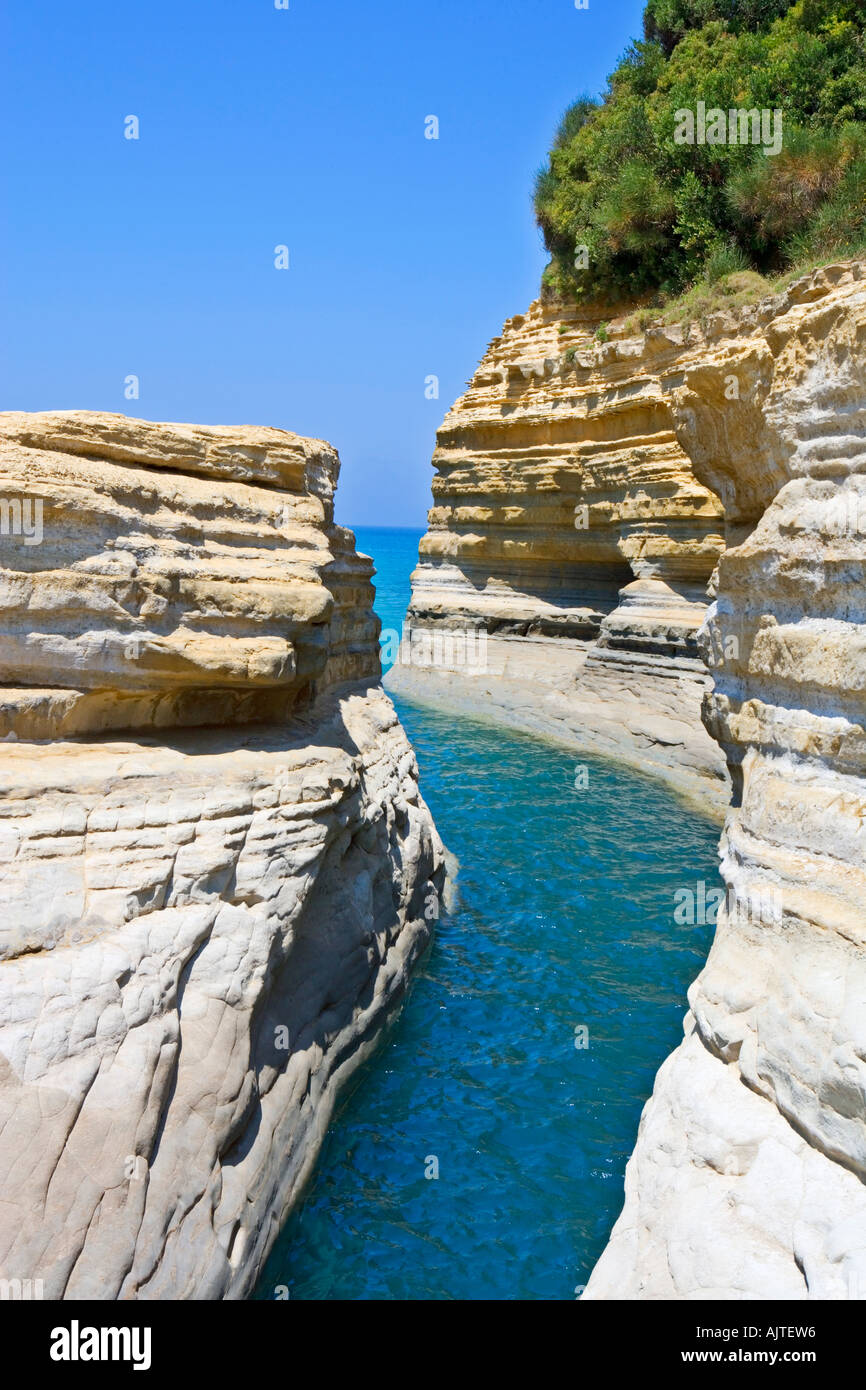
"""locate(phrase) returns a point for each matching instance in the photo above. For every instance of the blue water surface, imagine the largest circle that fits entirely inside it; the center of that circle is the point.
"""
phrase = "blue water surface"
(563, 934)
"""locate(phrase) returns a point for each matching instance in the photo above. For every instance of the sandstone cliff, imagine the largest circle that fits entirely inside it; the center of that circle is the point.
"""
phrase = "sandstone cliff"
(662, 539)
(216, 865)
(748, 1176)
(572, 541)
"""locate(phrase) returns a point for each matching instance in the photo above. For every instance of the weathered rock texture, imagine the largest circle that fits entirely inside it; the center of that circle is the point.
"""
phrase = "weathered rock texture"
(749, 1175)
(185, 575)
(569, 528)
(215, 863)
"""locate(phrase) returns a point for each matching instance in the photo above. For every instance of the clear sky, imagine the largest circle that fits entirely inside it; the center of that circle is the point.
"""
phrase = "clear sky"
(261, 127)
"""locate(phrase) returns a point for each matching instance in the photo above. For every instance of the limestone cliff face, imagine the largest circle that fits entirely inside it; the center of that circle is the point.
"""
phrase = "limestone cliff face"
(215, 862)
(643, 529)
(183, 575)
(749, 1175)
(569, 528)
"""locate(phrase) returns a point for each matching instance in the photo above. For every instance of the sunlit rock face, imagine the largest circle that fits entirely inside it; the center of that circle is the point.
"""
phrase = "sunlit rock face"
(748, 1176)
(216, 866)
(570, 530)
(183, 575)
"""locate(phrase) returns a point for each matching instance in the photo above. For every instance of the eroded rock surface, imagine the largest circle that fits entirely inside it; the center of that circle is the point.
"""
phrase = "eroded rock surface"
(570, 536)
(216, 866)
(749, 1175)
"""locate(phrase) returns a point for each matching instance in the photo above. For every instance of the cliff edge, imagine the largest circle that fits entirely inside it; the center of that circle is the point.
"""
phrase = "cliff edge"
(748, 1176)
(216, 866)
(570, 545)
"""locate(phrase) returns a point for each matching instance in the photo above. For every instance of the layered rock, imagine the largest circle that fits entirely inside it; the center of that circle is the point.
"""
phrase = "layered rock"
(570, 535)
(216, 865)
(749, 1175)
(227, 596)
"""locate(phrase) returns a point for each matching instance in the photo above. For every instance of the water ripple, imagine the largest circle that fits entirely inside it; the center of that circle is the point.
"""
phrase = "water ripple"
(565, 919)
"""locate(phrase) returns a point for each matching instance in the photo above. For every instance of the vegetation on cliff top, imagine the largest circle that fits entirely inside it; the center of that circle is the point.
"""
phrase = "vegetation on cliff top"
(634, 203)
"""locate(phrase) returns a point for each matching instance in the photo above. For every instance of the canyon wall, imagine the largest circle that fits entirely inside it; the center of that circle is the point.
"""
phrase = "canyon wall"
(216, 866)
(653, 545)
(749, 1175)
(565, 571)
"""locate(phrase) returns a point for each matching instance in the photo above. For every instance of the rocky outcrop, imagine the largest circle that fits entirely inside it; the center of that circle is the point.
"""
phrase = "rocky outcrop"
(181, 576)
(570, 546)
(749, 1175)
(216, 865)
(653, 545)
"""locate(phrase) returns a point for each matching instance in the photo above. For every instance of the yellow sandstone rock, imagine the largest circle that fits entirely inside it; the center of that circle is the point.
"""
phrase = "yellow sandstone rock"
(569, 527)
(642, 529)
(748, 1176)
(183, 575)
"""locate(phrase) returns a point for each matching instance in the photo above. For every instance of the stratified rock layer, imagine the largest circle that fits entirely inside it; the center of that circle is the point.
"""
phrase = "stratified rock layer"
(216, 866)
(570, 533)
(184, 575)
(749, 1175)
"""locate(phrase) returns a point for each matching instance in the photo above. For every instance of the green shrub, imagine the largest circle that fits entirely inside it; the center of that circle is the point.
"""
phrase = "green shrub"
(723, 261)
(669, 20)
(838, 229)
(626, 211)
(779, 197)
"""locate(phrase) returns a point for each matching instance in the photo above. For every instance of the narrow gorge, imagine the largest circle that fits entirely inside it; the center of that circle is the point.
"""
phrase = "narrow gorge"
(571, 541)
(433, 775)
(646, 550)
(656, 542)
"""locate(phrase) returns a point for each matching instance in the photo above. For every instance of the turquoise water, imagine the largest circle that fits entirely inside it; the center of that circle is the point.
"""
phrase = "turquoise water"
(396, 555)
(564, 922)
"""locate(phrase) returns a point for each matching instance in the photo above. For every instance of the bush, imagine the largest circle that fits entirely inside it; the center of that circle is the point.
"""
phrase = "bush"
(669, 20)
(723, 261)
(626, 210)
(838, 228)
(780, 197)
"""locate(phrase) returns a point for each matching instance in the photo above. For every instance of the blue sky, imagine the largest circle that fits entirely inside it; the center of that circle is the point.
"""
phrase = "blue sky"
(262, 127)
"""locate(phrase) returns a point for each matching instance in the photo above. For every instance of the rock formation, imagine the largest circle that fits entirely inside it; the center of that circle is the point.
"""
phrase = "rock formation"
(594, 490)
(749, 1175)
(217, 869)
(569, 549)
